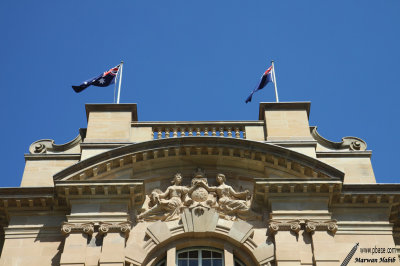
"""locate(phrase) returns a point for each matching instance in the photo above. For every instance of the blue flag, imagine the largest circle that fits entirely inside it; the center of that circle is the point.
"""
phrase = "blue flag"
(103, 80)
(265, 78)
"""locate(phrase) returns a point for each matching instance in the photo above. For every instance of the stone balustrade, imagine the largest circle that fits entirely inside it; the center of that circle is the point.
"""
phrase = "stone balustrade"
(227, 129)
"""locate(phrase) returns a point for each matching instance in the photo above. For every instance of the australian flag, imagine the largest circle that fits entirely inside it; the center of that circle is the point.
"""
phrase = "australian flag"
(103, 80)
(265, 78)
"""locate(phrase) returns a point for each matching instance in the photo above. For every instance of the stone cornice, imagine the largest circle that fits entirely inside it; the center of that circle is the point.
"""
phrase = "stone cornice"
(291, 143)
(31, 231)
(29, 198)
(338, 195)
(341, 154)
(265, 189)
(25, 191)
(343, 193)
(370, 196)
(297, 186)
(53, 156)
(372, 188)
(378, 194)
(28, 203)
(365, 199)
(365, 227)
(170, 124)
(103, 145)
(128, 189)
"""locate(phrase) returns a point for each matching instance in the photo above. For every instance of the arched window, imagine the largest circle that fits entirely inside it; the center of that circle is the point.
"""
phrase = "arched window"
(200, 256)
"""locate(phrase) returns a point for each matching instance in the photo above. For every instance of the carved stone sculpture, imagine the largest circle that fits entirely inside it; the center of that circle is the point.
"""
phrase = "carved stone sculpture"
(228, 203)
(231, 204)
(200, 194)
(167, 206)
(350, 143)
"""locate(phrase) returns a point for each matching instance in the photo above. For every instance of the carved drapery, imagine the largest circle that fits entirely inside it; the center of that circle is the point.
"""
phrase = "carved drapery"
(86, 228)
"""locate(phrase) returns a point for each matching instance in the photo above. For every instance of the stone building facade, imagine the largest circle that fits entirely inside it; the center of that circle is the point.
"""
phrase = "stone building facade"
(266, 192)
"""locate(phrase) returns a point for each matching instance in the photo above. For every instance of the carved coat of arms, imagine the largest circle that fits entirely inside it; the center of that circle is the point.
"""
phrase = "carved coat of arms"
(168, 205)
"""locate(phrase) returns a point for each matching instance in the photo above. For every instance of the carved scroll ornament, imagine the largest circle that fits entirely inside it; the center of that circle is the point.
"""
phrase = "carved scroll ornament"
(349, 143)
(167, 206)
(315, 225)
(87, 228)
(124, 228)
(291, 225)
(48, 145)
(309, 225)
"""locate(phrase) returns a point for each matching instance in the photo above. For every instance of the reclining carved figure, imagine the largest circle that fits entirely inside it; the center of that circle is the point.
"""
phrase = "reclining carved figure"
(231, 204)
(167, 206)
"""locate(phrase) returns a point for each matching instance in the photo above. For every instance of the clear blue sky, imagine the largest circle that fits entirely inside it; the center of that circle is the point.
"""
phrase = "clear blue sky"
(198, 60)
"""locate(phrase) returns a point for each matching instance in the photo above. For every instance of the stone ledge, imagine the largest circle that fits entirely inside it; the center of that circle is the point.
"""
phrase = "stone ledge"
(52, 156)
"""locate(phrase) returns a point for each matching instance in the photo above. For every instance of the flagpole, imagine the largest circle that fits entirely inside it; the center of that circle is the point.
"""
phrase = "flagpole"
(120, 79)
(276, 87)
(115, 88)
